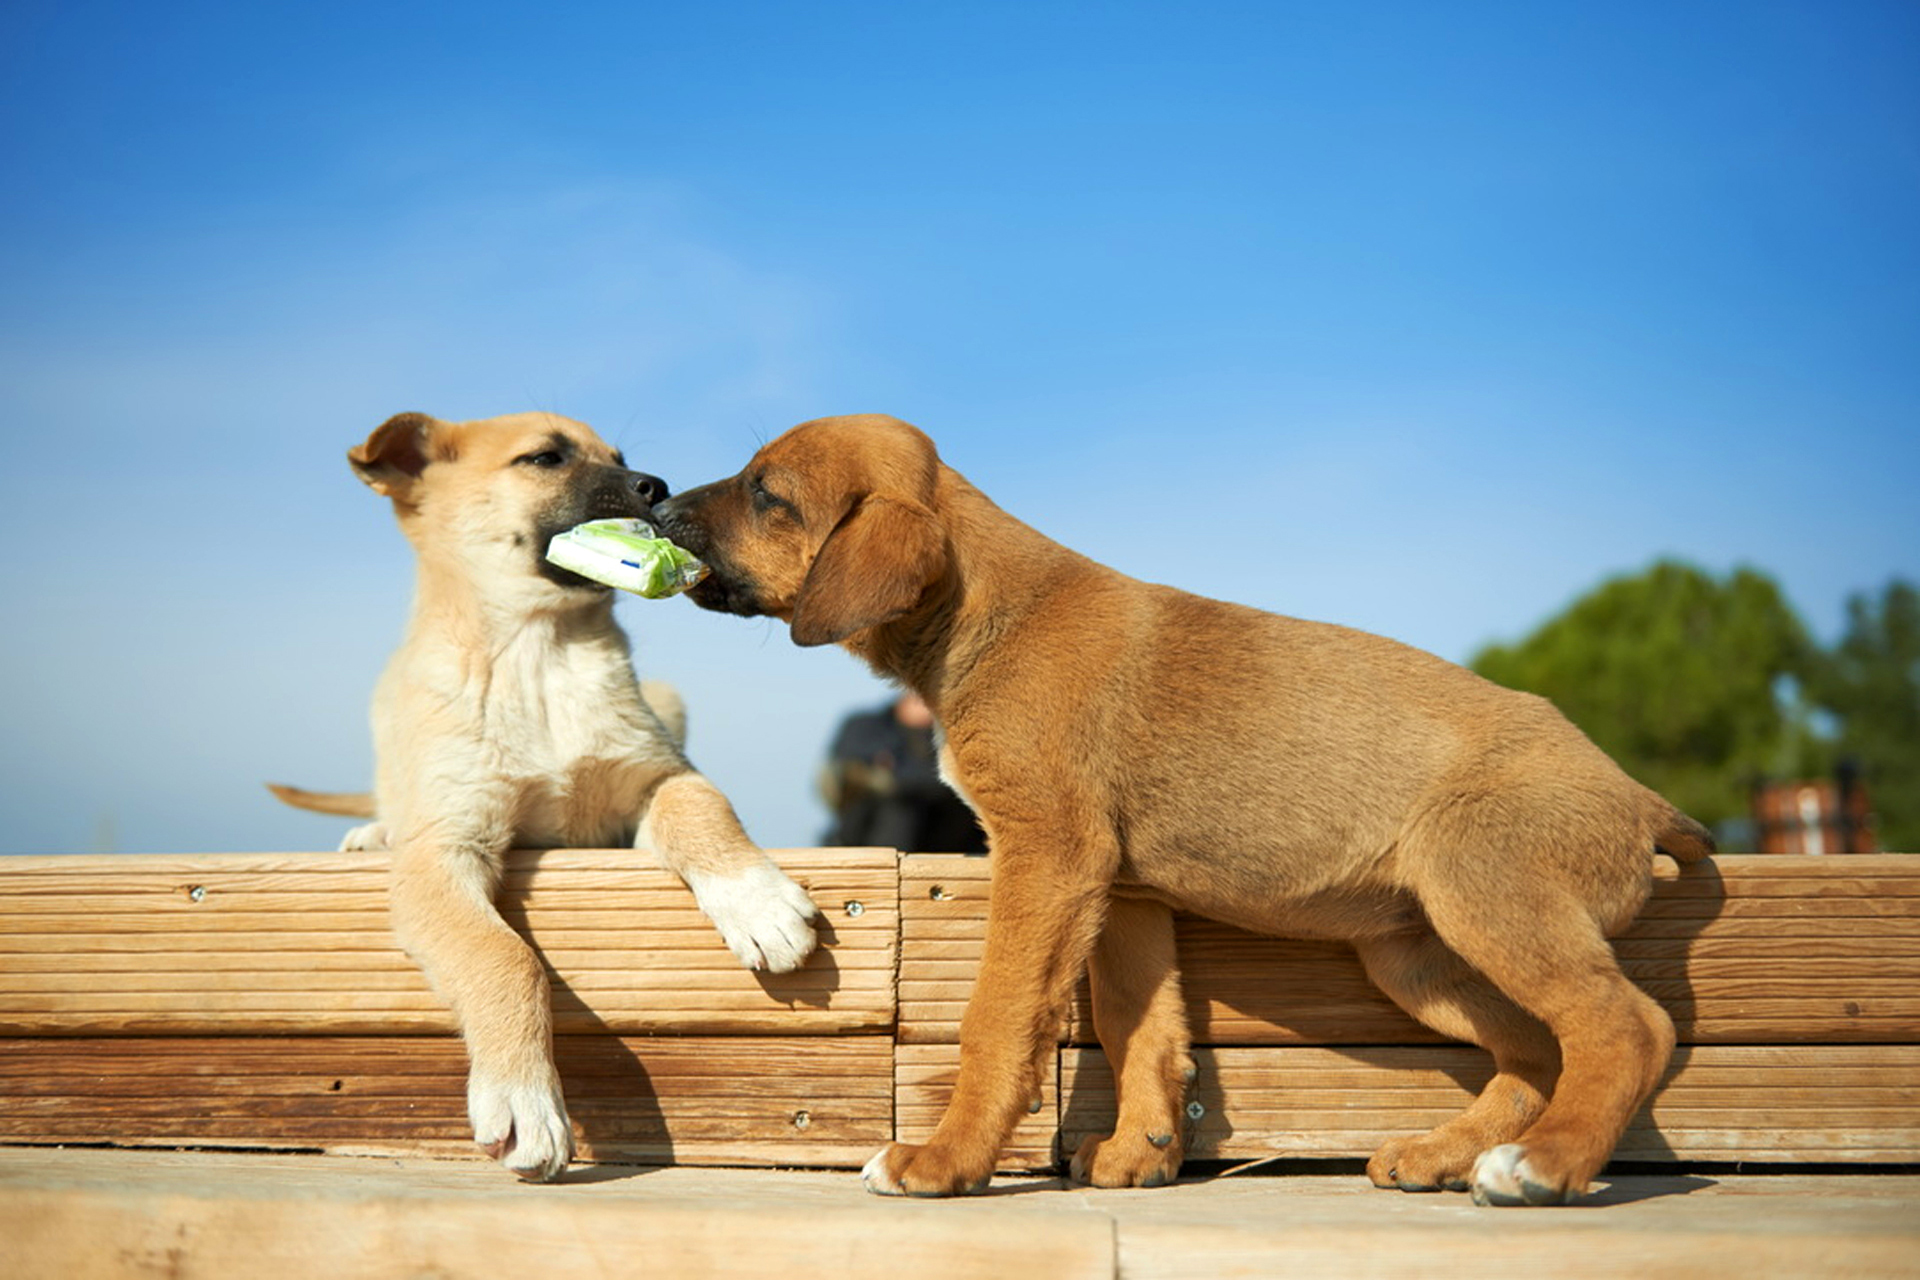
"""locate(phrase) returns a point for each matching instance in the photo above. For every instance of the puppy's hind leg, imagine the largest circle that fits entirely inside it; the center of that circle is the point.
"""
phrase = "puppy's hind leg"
(1425, 978)
(1142, 1026)
(1545, 950)
(765, 918)
(444, 917)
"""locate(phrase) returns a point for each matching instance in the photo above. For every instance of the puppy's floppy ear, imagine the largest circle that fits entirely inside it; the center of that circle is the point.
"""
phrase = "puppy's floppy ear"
(393, 457)
(872, 568)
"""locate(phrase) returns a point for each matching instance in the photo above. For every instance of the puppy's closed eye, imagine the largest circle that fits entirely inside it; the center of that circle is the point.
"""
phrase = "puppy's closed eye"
(544, 458)
(765, 500)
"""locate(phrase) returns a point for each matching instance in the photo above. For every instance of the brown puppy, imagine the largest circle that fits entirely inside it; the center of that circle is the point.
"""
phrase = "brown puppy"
(509, 718)
(1132, 749)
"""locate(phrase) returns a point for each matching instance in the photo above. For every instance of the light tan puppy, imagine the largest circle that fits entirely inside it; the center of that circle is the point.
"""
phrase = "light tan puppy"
(510, 718)
(1132, 749)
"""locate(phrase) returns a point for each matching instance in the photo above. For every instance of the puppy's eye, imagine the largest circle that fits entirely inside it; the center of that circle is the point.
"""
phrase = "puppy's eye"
(544, 458)
(765, 501)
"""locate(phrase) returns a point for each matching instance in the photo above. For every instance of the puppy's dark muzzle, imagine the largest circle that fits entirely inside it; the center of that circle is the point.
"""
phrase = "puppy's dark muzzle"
(700, 520)
(598, 492)
(672, 517)
(724, 589)
(615, 491)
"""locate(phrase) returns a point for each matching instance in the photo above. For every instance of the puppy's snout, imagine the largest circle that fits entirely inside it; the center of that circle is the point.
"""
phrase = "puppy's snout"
(671, 519)
(651, 489)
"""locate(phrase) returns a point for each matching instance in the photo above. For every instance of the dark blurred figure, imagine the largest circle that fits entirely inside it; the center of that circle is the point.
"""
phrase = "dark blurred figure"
(882, 783)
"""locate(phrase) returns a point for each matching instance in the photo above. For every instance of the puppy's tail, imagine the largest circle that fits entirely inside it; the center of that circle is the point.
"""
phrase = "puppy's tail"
(355, 804)
(1683, 839)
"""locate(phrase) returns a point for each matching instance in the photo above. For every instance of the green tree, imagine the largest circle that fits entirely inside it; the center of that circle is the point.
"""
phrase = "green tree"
(1871, 684)
(1690, 682)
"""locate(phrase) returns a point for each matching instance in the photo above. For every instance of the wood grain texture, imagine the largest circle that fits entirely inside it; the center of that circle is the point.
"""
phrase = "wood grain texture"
(801, 1100)
(923, 1081)
(120, 1215)
(279, 944)
(1786, 1103)
(259, 1001)
(1741, 950)
(76, 1215)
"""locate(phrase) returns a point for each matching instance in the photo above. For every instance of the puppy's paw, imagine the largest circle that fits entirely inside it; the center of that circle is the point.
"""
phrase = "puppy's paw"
(522, 1124)
(1133, 1160)
(900, 1169)
(371, 837)
(765, 918)
(1431, 1162)
(1508, 1176)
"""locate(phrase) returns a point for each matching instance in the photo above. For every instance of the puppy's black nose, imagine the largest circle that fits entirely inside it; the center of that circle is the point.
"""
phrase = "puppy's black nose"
(651, 489)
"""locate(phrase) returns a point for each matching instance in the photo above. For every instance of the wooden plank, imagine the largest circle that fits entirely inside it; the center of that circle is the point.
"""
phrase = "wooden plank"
(799, 1100)
(943, 915)
(1739, 950)
(1826, 1103)
(85, 1214)
(272, 944)
(923, 1082)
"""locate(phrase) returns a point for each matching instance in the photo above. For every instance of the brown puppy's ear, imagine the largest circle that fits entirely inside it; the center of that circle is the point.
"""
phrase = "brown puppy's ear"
(393, 457)
(871, 570)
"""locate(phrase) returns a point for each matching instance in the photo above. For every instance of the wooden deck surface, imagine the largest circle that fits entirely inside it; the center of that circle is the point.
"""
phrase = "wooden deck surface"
(78, 1214)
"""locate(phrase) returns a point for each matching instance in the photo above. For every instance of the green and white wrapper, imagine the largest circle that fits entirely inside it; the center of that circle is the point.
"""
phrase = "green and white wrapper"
(628, 554)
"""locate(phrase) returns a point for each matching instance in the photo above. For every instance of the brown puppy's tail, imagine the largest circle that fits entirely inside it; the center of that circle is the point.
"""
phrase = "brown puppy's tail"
(346, 804)
(1683, 839)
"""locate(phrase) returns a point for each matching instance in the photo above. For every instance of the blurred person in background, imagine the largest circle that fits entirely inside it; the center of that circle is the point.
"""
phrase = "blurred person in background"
(882, 784)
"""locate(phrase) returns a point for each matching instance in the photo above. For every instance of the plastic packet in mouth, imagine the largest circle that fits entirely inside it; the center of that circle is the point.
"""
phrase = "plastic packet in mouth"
(629, 554)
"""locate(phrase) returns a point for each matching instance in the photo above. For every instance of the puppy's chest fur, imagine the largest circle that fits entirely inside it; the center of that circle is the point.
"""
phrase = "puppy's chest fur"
(544, 743)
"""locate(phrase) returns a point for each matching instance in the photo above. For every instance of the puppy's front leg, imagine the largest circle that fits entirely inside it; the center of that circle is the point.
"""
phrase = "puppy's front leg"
(1142, 1025)
(1042, 918)
(443, 914)
(765, 918)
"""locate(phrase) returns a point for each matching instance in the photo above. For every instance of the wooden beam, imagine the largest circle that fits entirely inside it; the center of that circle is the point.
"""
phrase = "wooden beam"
(250, 944)
(1740, 950)
(1785, 1103)
(796, 1101)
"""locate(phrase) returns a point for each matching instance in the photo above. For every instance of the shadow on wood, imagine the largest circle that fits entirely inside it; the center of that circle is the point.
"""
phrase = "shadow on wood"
(1702, 885)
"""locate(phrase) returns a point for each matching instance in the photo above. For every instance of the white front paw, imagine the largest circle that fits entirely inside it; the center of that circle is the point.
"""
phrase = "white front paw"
(521, 1124)
(765, 918)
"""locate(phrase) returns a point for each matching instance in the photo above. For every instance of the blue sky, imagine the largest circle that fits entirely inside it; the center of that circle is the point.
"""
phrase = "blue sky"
(1421, 317)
